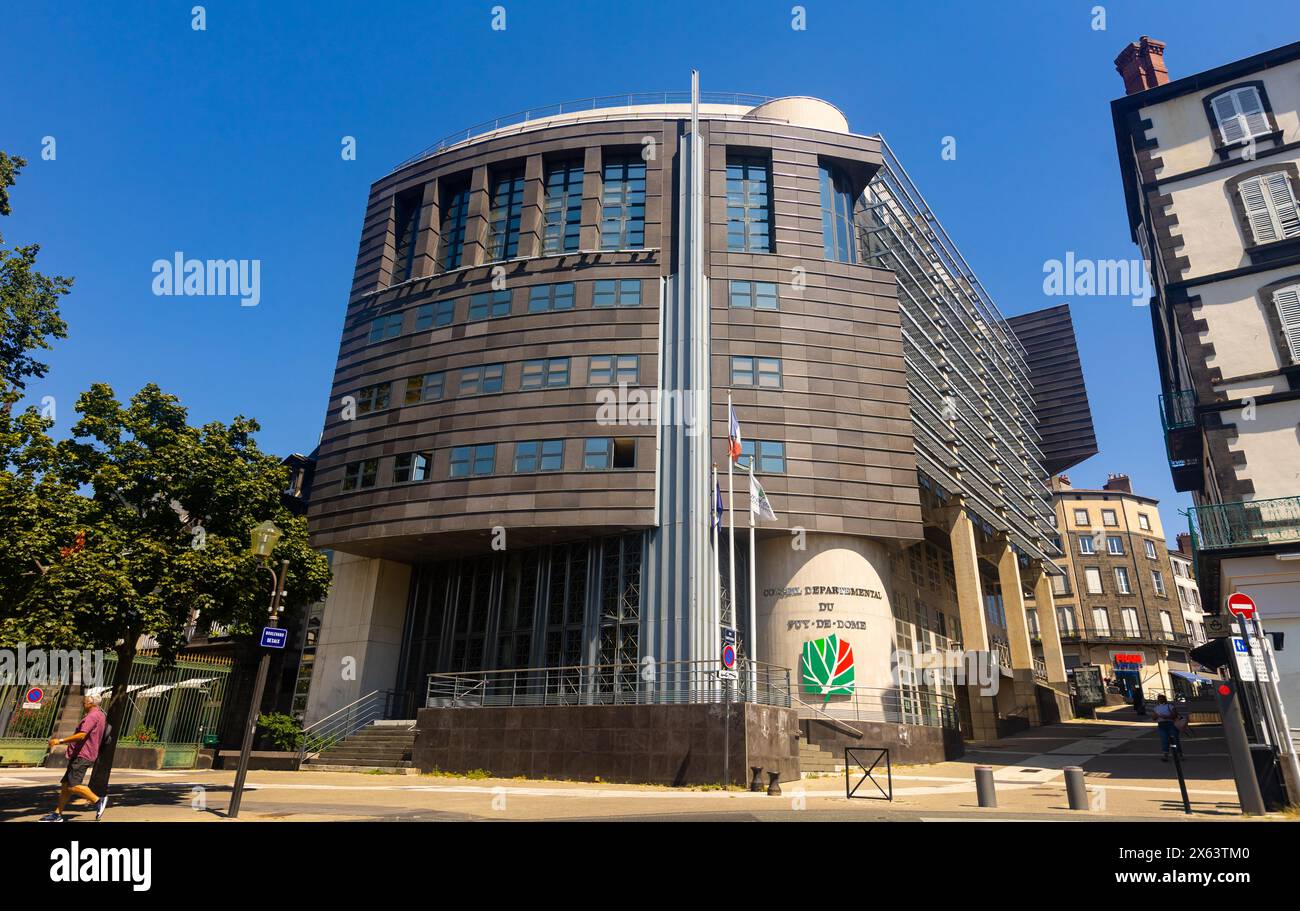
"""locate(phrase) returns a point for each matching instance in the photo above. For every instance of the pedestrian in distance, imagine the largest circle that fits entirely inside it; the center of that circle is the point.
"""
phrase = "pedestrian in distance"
(82, 751)
(1167, 718)
(1139, 700)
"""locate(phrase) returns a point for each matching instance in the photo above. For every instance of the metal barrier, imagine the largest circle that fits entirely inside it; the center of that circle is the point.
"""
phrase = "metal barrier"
(893, 705)
(851, 755)
(323, 734)
(657, 683)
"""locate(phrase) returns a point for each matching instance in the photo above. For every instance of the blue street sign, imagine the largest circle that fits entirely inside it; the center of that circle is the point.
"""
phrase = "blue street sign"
(274, 637)
(34, 696)
(728, 656)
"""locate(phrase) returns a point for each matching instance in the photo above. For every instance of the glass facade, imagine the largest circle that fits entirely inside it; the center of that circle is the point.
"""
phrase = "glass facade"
(455, 212)
(555, 606)
(563, 227)
(749, 204)
(622, 213)
(838, 238)
(507, 209)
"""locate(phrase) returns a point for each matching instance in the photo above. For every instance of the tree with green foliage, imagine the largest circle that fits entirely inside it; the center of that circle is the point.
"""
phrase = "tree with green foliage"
(138, 523)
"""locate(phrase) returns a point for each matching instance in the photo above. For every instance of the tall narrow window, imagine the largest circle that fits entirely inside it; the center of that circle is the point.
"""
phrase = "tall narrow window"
(1239, 114)
(455, 211)
(1287, 301)
(1130, 617)
(749, 204)
(562, 232)
(622, 201)
(406, 228)
(1270, 207)
(1121, 581)
(507, 206)
(1100, 621)
(838, 238)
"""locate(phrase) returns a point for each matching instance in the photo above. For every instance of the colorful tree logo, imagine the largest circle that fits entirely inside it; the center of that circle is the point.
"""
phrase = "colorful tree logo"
(827, 667)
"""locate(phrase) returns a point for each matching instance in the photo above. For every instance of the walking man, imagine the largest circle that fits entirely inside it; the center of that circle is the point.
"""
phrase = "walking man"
(82, 750)
(1167, 725)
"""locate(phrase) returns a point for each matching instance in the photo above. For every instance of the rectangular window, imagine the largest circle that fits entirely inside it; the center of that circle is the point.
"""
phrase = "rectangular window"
(1092, 575)
(1081, 517)
(613, 369)
(406, 229)
(1065, 621)
(1150, 547)
(838, 237)
(427, 388)
(622, 203)
(1060, 585)
(382, 328)
(621, 292)
(439, 313)
(1144, 522)
(748, 295)
(764, 372)
(483, 379)
(545, 373)
(1100, 621)
(1167, 624)
(771, 456)
(1287, 301)
(1121, 581)
(563, 208)
(455, 212)
(373, 398)
(473, 461)
(544, 298)
(489, 305)
(411, 466)
(360, 475)
(1158, 580)
(539, 455)
(1130, 616)
(1031, 620)
(600, 453)
(1108, 518)
(503, 220)
(1270, 207)
(1115, 545)
(1239, 114)
(749, 204)
(1085, 544)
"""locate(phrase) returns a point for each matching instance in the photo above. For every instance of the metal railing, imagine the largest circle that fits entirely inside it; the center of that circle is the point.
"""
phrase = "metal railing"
(1246, 524)
(903, 704)
(323, 734)
(1101, 634)
(1178, 410)
(658, 683)
(600, 102)
(1040, 669)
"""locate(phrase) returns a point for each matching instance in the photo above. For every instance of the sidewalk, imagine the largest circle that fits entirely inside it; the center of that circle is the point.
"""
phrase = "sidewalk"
(1119, 754)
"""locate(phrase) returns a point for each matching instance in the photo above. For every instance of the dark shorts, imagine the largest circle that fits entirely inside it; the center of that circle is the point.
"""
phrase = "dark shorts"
(76, 773)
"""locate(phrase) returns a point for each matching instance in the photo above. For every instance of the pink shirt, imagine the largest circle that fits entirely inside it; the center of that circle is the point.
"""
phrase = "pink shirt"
(93, 727)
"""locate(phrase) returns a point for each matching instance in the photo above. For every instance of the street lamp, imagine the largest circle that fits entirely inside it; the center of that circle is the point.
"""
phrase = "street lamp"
(264, 538)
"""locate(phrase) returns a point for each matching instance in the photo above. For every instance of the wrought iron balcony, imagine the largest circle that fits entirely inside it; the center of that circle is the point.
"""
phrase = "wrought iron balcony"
(1178, 410)
(1089, 633)
(1253, 523)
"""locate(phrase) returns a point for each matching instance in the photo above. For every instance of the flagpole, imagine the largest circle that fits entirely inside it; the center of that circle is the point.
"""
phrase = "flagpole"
(753, 592)
(731, 517)
(715, 635)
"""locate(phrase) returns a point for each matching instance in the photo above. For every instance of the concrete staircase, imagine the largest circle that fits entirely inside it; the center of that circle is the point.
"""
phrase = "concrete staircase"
(380, 746)
(818, 760)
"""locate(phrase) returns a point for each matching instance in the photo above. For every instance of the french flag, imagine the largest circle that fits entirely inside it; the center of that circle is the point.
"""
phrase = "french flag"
(733, 435)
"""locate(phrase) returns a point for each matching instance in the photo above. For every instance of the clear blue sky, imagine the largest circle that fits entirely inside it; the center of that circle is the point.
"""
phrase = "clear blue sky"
(225, 144)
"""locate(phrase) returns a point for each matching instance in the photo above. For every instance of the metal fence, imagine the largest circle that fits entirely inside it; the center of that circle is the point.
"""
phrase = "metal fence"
(903, 704)
(24, 732)
(651, 683)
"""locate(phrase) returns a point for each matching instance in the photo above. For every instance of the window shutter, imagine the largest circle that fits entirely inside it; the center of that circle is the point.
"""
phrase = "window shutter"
(1284, 203)
(1261, 221)
(1225, 112)
(1287, 301)
(1249, 104)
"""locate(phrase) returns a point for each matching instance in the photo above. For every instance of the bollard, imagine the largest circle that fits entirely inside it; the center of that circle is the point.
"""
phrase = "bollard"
(773, 784)
(756, 783)
(1075, 788)
(984, 786)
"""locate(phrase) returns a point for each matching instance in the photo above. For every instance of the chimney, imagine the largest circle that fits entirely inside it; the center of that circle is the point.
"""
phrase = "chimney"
(1118, 482)
(1142, 65)
(1185, 544)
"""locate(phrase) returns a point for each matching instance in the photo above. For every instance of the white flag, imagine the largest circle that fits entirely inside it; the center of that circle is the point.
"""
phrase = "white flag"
(759, 504)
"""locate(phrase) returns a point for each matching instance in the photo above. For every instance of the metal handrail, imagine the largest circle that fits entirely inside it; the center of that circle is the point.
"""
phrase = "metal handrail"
(843, 725)
(599, 102)
(324, 733)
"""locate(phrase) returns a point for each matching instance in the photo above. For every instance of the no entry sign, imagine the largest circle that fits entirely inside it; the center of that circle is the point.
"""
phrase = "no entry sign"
(1241, 605)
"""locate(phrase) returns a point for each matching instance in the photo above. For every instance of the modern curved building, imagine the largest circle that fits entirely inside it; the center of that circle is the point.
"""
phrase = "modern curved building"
(548, 315)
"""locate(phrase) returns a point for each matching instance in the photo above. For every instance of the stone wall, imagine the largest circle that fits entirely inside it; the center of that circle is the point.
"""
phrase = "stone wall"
(907, 743)
(656, 744)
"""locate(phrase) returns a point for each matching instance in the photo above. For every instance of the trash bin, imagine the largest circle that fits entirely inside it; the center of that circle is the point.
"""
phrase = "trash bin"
(1269, 773)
